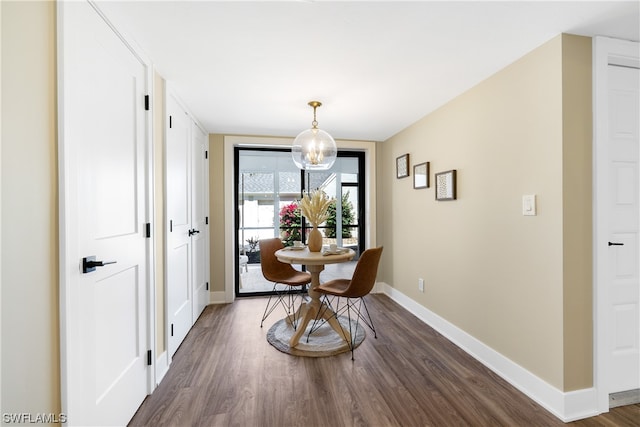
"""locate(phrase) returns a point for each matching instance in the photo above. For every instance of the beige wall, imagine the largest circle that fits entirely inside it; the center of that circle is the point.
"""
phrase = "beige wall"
(216, 212)
(577, 212)
(519, 284)
(30, 339)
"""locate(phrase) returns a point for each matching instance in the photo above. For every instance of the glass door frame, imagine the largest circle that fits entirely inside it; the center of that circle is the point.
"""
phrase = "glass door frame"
(361, 225)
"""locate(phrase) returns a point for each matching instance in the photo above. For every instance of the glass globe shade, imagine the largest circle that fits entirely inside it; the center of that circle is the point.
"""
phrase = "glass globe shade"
(314, 149)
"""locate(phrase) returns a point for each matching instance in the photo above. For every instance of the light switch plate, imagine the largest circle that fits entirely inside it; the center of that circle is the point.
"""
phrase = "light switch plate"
(529, 205)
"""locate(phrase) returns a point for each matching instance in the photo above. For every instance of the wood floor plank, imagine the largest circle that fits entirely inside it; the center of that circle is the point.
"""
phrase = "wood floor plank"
(226, 374)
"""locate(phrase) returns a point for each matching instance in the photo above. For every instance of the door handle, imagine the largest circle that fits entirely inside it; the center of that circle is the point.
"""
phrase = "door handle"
(615, 244)
(90, 263)
(193, 231)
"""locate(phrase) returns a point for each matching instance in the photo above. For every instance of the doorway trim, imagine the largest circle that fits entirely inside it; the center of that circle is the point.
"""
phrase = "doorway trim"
(230, 142)
(606, 51)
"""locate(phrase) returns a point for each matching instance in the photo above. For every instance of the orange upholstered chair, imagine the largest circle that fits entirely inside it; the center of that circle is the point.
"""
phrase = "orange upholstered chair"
(288, 283)
(351, 292)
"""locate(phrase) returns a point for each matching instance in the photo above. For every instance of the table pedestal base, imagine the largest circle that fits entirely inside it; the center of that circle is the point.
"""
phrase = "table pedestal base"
(309, 311)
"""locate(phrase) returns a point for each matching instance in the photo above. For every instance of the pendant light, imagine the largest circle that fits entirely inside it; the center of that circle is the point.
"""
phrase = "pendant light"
(314, 149)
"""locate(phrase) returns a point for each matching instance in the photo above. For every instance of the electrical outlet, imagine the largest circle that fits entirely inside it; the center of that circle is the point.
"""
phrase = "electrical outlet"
(421, 285)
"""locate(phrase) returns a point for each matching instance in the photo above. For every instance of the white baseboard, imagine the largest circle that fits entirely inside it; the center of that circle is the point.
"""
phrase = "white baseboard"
(580, 404)
(567, 406)
(162, 367)
(218, 297)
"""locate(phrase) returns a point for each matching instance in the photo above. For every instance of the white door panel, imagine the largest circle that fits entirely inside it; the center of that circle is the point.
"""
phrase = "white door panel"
(200, 279)
(117, 346)
(178, 179)
(623, 288)
(103, 137)
(200, 203)
(179, 295)
(178, 202)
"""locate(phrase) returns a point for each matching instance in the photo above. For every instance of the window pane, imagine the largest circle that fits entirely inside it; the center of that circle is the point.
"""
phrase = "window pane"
(289, 183)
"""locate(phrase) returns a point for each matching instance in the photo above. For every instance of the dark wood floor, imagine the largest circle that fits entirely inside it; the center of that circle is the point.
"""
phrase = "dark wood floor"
(226, 374)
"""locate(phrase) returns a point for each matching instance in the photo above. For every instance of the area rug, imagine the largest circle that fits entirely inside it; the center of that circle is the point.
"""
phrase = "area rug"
(323, 342)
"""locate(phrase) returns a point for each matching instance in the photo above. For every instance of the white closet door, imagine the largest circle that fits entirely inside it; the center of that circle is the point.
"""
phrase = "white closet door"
(623, 287)
(199, 219)
(178, 210)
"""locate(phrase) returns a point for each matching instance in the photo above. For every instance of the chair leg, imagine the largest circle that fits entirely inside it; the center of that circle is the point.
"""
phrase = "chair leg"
(356, 307)
(337, 311)
(369, 323)
(266, 314)
(290, 308)
(319, 320)
(287, 299)
(351, 332)
(349, 305)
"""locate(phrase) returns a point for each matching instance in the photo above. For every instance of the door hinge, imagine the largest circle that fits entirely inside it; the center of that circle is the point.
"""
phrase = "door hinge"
(207, 285)
(170, 122)
(146, 102)
(206, 154)
(147, 230)
(149, 358)
(170, 226)
(172, 329)
(206, 220)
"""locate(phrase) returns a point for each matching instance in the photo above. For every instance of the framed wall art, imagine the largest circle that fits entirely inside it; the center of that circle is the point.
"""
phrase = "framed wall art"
(402, 166)
(446, 185)
(421, 175)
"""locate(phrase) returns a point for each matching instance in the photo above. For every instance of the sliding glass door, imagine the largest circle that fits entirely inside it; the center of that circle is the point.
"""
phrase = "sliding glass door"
(268, 190)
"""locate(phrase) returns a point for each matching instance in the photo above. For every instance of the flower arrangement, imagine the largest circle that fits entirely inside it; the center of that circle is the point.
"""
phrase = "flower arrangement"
(290, 223)
(315, 207)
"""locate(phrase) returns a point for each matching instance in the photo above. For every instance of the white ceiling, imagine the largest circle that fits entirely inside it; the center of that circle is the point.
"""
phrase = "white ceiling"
(251, 67)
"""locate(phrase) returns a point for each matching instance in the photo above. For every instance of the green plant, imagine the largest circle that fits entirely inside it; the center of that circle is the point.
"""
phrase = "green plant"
(253, 243)
(347, 218)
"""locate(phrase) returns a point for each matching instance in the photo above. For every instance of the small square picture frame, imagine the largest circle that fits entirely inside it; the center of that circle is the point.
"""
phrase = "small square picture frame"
(402, 166)
(445, 185)
(421, 175)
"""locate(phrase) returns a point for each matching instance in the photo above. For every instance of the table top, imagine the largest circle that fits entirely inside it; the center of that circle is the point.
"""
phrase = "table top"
(306, 257)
